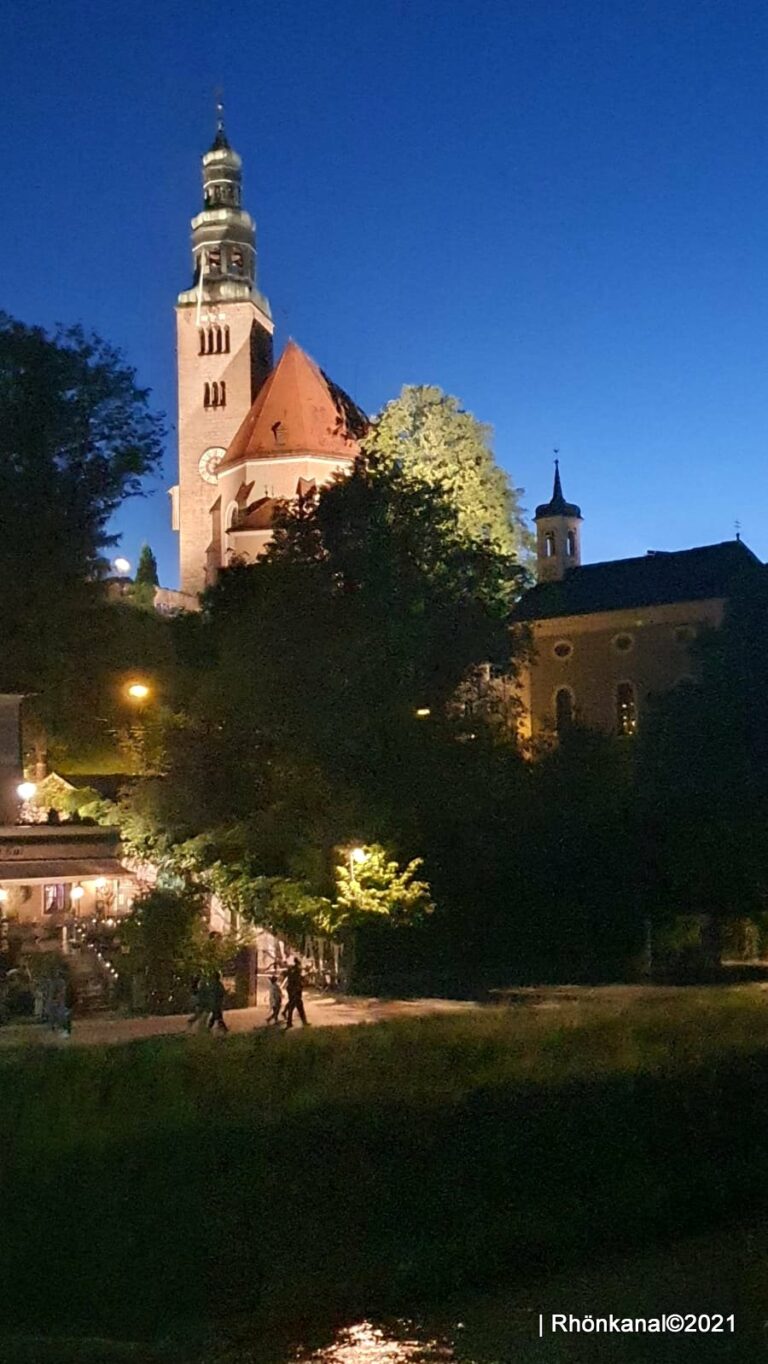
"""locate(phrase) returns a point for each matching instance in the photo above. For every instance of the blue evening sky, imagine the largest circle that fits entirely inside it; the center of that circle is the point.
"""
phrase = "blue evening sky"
(557, 210)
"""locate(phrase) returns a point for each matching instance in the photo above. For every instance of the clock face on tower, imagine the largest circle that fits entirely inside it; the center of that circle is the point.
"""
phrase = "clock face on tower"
(209, 462)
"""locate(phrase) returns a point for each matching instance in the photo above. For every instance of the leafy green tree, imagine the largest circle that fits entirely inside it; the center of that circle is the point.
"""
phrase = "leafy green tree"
(376, 889)
(77, 437)
(428, 435)
(142, 591)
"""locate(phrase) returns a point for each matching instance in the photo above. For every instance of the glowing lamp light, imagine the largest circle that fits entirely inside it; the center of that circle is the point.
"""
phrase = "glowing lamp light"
(423, 712)
(122, 565)
(26, 790)
(100, 882)
(138, 691)
(358, 855)
(77, 892)
(3, 895)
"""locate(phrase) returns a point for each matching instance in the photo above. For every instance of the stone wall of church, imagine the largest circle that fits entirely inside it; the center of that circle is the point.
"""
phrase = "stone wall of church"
(645, 649)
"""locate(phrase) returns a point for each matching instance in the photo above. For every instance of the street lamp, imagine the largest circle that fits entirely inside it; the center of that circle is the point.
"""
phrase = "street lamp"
(357, 856)
(137, 691)
(26, 790)
(122, 566)
(422, 712)
(77, 892)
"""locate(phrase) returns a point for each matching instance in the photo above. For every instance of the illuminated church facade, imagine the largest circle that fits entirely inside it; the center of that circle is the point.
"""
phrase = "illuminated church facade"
(250, 433)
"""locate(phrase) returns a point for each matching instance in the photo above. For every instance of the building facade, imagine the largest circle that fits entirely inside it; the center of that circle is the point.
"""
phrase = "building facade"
(606, 637)
(248, 435)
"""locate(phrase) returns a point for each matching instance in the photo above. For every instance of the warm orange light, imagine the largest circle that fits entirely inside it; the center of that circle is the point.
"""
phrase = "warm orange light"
(100, 882)
(77, 892)
(138, 691)
(422, 712)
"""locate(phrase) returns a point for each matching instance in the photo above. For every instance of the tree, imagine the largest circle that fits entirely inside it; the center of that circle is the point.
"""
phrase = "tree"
(146, 582)
(428, 435)
(76, 438)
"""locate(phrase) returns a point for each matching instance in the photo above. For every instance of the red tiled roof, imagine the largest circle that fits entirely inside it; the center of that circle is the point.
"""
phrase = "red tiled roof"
(298, 411)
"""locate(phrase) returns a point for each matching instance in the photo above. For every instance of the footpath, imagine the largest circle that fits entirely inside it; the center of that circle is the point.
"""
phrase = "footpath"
(322, 1011)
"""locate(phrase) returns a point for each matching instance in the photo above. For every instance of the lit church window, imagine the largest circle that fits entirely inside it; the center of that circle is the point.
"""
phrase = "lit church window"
(549, 545)
(626, 709)
(571, 544)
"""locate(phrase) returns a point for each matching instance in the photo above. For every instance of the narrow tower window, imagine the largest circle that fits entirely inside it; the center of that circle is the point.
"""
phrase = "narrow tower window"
(563, 709)
(549, 545)
(222, 394)
(201, 334)
(626, 709)
(570, 544)
(218, 340)
(226, 340)
(207, 395)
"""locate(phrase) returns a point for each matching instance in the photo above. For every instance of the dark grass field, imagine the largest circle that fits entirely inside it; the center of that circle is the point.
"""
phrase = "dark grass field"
(171, 1186)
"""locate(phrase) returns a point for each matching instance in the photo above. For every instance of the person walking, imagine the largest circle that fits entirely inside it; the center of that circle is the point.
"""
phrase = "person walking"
(294, 984)
(275, 1000)
(218, 995)
(197, 998)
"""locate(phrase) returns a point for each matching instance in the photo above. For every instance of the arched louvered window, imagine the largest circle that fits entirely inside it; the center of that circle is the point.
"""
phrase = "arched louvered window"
(207, 395)
(563, 709)
(201, 335)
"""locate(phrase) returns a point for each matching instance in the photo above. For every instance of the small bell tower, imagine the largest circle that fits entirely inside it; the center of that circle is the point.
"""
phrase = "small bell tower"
(224, 349)
(558, 535)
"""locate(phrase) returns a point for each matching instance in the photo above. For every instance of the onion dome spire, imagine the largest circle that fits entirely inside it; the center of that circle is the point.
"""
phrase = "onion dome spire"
(557, 506)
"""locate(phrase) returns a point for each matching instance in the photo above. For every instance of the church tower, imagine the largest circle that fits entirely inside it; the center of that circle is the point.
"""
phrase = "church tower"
(223, 348)
(558, 535)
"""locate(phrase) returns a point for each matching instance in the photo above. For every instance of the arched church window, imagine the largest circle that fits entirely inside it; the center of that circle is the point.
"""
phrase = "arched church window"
(570, 544)
(222, 394)
(232, 516)
(214, 262)
(236, 261)
(218, 340)
(214, 394)
(549, 545)
(201, 334)
(626, 709)
(226, 340)
(563, 709)
(207, 395)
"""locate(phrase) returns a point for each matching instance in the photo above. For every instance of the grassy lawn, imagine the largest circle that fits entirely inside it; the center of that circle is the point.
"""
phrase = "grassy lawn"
(184, 1180)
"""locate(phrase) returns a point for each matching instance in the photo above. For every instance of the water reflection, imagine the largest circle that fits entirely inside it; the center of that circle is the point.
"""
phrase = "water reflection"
(365, 1343)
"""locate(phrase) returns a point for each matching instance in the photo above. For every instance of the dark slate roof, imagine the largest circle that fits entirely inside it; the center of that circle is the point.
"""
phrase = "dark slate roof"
(656, 579)
(557, 505)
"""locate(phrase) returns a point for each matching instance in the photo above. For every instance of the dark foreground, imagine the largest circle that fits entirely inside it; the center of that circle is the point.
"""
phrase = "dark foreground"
(726, 1272)
(170, 1189)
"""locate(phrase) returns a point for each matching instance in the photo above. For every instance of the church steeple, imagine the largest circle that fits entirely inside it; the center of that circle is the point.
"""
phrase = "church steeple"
(223, 346)
(223, 235)
(558, 534)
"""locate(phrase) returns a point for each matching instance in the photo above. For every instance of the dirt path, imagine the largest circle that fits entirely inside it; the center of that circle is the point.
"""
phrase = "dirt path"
(322, 1011)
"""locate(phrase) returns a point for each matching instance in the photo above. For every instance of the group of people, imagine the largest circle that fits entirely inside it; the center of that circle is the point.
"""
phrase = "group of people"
(293, 981)
(208, 995)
